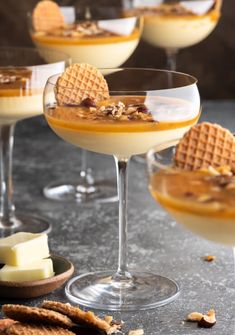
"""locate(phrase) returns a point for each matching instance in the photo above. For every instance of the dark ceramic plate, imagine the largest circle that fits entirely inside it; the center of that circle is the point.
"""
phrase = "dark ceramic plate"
(31, 289)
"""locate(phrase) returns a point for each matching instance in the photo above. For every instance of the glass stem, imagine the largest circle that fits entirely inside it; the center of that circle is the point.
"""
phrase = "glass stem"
(86, 173)
(122, 273)
(86, 185)
(6, 150)
(171, 54)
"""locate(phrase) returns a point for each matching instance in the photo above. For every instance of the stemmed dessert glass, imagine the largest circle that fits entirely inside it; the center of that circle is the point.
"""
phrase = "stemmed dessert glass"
(23, 74)
(105, 39)
(204, 202)
(175, 24)
(153, 106)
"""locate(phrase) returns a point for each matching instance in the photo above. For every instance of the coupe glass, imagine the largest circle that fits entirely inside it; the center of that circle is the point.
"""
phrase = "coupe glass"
(102, 51)
(23, 74)
(175, 24)
(202, 204)
(172, 101)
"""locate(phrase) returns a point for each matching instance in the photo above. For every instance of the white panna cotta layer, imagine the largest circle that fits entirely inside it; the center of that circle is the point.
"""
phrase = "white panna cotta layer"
(220, 230)
(13, 108)
(106, 55)
(173, 33)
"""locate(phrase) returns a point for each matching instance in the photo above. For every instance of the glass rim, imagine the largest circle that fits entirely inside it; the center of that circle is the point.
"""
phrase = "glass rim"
(30, 16)
(194, 79)
(35, 51)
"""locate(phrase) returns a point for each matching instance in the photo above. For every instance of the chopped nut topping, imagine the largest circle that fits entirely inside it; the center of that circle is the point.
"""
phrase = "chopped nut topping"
(213, 171)
(166, 9)
(136, 332)
(88, 103)
(14, 77)
(7, 79)
(208, 320)
(204, 320)
(122, 112)
(209, 258)
(205, 198)
(80, 30)
(89, 28)
(194, 317)
(225, 170)
(223, 180)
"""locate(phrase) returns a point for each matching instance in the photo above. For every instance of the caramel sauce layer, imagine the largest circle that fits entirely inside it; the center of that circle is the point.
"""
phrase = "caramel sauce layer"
(169, 11)
(74, 37)
(195, 192)
(15, 81)
(135, 117)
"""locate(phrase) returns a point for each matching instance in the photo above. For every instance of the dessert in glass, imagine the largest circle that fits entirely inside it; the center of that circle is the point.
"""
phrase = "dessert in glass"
(173, 25)
(195, 181)
(23, 74)
(103, 38)
(123, 114)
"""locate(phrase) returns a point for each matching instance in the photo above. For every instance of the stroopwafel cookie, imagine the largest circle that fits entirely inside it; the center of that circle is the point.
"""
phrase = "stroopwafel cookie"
(79, 82)
(81, 317)
(205, 145)
(47, 16)
(218, 5)
(5, 323)
(36, 329)
(36, 315)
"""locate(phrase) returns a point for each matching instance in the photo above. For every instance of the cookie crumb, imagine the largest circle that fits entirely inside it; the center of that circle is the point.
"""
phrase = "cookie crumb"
(209, 258)
(136, 332)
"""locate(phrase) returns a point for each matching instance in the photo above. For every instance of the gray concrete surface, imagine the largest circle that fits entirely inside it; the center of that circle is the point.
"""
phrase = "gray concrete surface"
(87, 235)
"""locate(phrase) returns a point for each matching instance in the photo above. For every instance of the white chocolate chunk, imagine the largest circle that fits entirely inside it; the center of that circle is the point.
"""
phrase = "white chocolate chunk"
(23, 248)
(37, 270)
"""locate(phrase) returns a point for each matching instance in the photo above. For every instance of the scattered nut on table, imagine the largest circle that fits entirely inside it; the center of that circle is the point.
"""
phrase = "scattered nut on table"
(209, 258)
(194, 317)
(136, 332)
(207, 320)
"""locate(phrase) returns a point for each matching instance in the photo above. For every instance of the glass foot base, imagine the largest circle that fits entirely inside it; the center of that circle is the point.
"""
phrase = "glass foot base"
(26, 223)
(144, 291)
(102, 191)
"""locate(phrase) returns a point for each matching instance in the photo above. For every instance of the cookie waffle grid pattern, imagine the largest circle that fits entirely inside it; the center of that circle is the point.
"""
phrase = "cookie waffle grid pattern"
(33, 329)
(205, 145)
(47, 16)
(35, 314)
(81, 81)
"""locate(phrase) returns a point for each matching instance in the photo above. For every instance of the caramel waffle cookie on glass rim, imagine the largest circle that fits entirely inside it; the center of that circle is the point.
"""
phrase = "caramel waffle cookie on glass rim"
(36, 315)
(204, 145)
(82, 317)
(79, 82)
(36, 329)
(47, 16)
